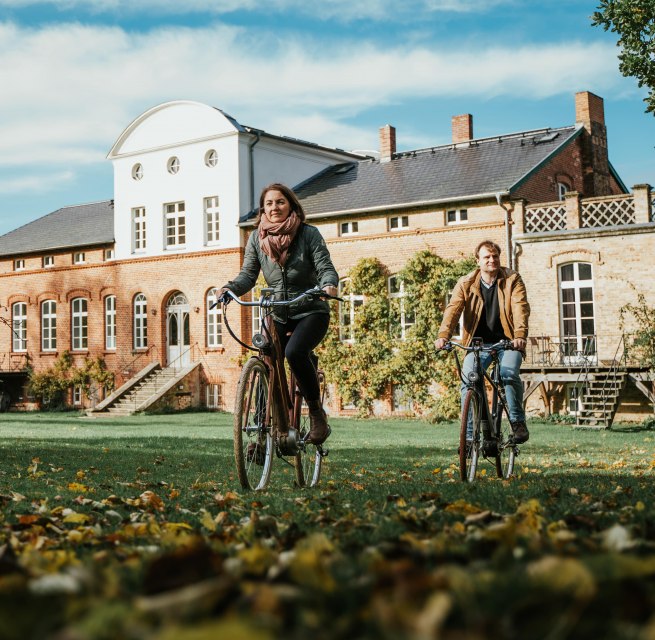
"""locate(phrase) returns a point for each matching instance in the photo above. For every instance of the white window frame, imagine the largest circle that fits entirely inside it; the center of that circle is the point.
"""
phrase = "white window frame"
(49, 325)
(79, 324)
(459, 216)
(79, 257)
(110, 323)
(460, 322)
(19, 327)
(138, 229)
(575, 344)
(77, 395)
(407, 320)
(214, 396)
(398, 223)
(109, 254)
(173, 165)
(212, 220)
(48, 262)
(349, 228)
(214, 321)
(348, 309)
(211, 158)
(174, 225)
(562, 190)
(140, 308)
(137, 171)
(19, 264)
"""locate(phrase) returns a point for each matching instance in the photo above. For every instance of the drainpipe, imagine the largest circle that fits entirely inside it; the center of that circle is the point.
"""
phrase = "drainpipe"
(508, 222)
(251, 146)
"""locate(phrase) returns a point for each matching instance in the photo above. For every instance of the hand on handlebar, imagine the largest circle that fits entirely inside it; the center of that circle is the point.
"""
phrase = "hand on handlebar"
(440, 343)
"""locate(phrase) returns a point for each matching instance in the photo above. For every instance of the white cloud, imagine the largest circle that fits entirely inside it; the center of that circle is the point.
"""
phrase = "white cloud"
(69, 90)
(338, 10)
(36, 183)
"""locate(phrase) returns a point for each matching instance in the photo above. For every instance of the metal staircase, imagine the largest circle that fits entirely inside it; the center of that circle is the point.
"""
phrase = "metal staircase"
(599, 391)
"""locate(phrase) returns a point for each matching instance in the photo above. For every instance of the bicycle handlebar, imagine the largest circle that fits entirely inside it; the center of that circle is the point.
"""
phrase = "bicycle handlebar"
(502, 344)
(266, 303)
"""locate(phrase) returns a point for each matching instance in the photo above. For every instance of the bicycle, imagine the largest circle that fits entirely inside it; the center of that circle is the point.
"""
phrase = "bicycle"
(268, 411)
(490, 438)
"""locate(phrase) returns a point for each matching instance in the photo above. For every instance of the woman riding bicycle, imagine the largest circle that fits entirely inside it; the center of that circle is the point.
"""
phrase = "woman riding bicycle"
(293, 258)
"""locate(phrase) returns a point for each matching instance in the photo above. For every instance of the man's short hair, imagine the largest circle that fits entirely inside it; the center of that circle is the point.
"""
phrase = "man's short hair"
(490, 245)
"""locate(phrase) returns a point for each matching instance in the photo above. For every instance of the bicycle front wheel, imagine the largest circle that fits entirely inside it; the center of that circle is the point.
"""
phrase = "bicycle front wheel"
(253, 441)
(506, 456)
(309, 459)
(469, 440)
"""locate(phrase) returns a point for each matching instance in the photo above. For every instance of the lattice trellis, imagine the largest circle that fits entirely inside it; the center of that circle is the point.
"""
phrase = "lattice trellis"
(608, 213)
(546, 218)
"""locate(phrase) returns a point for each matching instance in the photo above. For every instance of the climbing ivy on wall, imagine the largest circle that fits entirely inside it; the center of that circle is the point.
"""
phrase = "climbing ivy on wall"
(364, 369)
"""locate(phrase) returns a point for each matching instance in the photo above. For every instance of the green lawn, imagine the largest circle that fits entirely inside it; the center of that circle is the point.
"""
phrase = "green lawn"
(137, 528)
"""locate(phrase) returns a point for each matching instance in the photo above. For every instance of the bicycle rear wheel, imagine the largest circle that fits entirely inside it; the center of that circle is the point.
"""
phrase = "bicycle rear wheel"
(253, 442)
(469, 447)
(309, 459)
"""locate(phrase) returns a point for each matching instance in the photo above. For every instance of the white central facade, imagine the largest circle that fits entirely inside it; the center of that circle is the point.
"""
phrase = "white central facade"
(184, 173)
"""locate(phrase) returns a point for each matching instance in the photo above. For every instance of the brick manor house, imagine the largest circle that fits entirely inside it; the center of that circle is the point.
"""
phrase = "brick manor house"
(132, 280)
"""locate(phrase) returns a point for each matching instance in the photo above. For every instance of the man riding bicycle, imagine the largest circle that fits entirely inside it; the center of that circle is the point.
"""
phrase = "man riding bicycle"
(494, 304)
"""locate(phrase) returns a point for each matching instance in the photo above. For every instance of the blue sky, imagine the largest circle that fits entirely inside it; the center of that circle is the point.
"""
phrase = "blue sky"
(75, 73)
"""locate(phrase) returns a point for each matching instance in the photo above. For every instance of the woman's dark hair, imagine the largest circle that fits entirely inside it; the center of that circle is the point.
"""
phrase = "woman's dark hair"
(287, 193)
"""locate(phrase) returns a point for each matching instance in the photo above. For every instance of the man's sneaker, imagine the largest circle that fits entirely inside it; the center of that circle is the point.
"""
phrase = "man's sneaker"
(255, 453)
(520, 432)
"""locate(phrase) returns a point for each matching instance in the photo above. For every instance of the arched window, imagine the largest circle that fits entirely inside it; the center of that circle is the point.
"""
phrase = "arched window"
(19, 326)
(140, 322)
(49, 325)
(214, 320)
(562, 189)
(79, 324)
(110, 322)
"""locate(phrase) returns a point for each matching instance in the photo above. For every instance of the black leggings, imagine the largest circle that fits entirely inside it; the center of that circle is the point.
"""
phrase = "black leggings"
(306, 334)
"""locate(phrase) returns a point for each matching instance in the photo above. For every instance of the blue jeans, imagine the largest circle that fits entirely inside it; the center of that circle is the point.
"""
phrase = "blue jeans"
(510, 365)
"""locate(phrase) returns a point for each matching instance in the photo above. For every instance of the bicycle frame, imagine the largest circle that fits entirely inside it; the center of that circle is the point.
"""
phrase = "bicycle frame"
(281, 423)
(487, 419)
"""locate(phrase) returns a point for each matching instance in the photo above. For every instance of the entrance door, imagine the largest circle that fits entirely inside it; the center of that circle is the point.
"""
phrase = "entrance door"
(577, 313)
(178, 335)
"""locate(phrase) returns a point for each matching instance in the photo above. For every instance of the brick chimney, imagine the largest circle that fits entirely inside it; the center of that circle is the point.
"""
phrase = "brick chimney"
(387, 142)
(590, 112)
(462, 128)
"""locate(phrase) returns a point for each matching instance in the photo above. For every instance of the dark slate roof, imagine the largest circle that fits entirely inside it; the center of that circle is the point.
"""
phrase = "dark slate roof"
(77, 226)
(449, 172)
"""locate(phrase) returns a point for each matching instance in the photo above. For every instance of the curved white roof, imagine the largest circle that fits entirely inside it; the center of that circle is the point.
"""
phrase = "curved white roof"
(172, 123)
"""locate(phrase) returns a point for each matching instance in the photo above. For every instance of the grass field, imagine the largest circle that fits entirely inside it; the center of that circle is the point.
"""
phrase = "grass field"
(137, 528)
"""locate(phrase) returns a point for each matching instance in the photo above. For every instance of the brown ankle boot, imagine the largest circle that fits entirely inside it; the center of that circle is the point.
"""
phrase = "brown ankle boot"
(319, 429)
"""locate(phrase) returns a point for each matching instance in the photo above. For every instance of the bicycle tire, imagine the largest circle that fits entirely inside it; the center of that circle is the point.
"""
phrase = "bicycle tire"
(308, 461)
(506, 456)
(253, 441)
(469, 450)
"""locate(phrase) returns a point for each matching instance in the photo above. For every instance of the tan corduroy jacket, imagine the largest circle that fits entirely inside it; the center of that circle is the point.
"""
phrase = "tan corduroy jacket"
(467, 299)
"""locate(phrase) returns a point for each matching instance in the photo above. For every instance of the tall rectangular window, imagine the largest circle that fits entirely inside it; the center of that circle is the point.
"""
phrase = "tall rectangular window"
(211, 220)
(19, 265)
(175, 225)
(214, 396)
(401, 318)
(140, 322)
(138, 229)
(48, 261)
(19, 326)
(110, 322)
(348, 310)
(80, 324)
(49, 326)
(214, 320)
